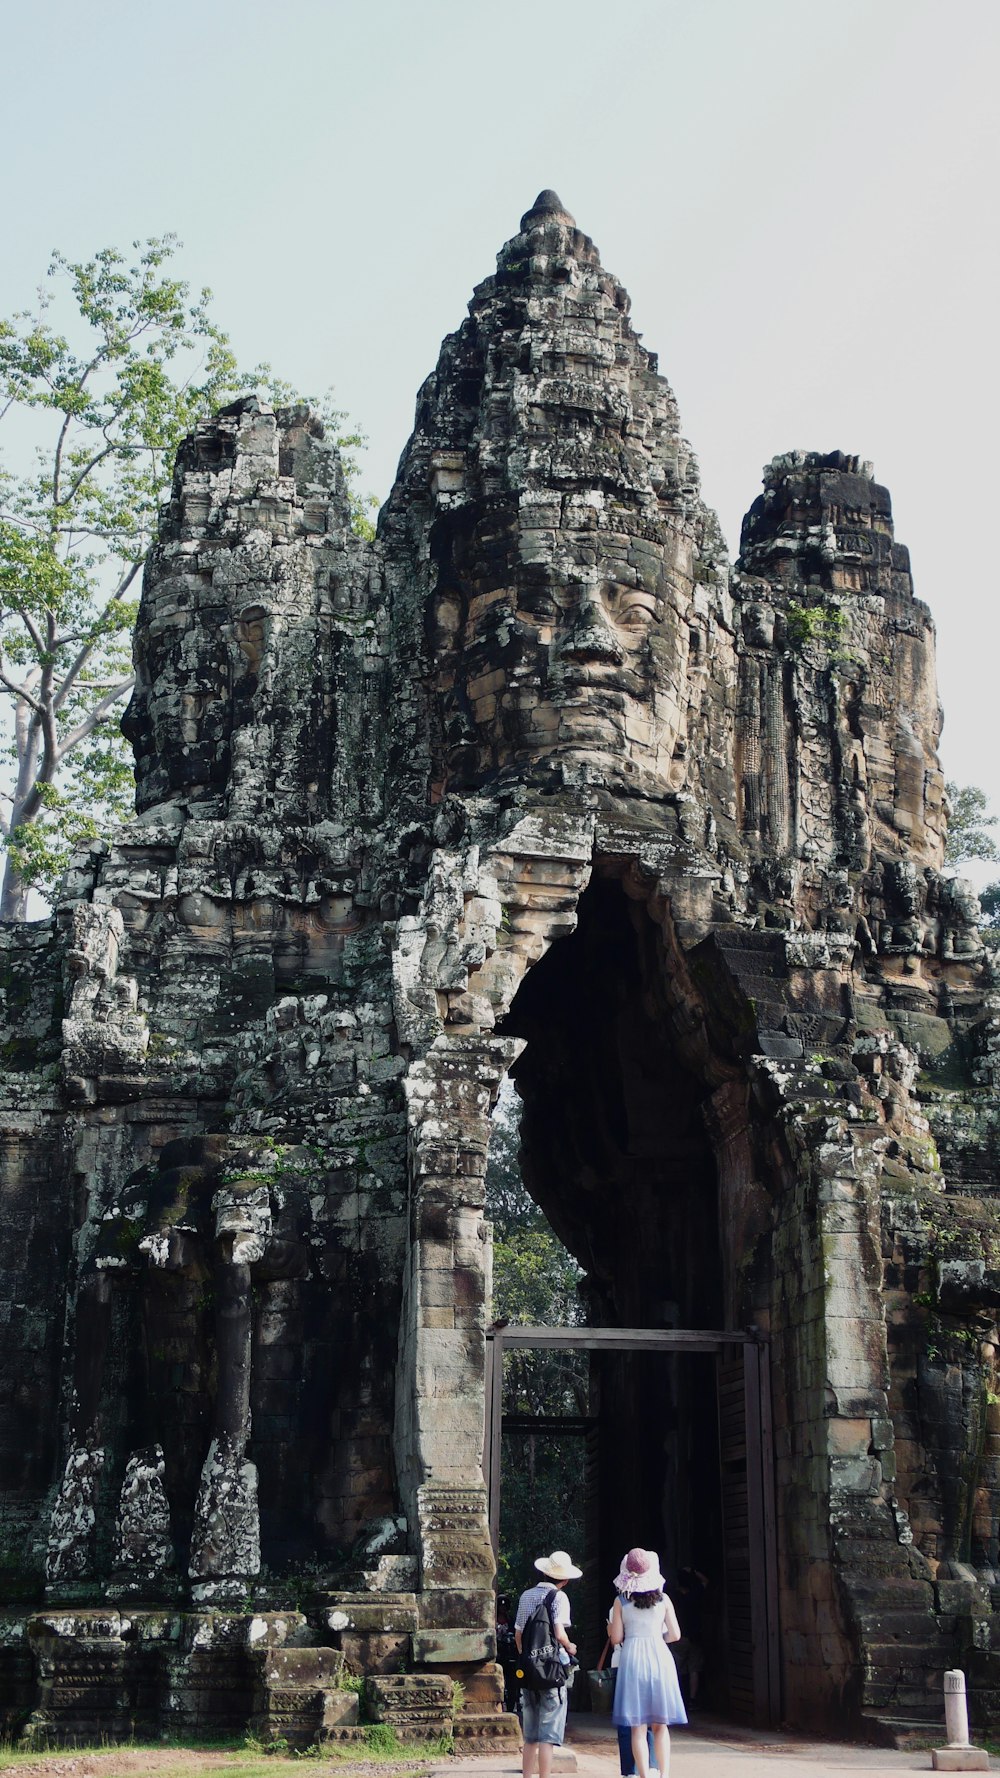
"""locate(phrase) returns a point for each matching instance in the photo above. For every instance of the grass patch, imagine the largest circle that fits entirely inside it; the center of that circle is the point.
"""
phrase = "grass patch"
(379, 1750)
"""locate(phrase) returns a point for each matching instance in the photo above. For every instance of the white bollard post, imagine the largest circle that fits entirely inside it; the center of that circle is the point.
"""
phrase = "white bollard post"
(956, 1709)
(959, 1755)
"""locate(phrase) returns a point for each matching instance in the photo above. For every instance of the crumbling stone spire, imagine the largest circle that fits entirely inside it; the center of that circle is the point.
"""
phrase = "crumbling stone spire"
(548, 203)
(547, 469)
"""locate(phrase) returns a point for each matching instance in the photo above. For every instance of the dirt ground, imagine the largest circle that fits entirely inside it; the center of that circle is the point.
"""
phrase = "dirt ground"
(190, 1762)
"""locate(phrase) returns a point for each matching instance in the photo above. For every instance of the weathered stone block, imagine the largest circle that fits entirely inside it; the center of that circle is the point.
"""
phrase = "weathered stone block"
(380, 1611)
(372, 1651)
(433, 1646)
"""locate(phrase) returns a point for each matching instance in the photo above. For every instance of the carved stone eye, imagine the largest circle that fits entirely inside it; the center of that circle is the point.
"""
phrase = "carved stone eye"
(635, 612)
(539, 606)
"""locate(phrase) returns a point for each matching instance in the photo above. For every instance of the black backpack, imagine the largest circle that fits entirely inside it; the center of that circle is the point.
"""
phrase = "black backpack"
(540, 1662)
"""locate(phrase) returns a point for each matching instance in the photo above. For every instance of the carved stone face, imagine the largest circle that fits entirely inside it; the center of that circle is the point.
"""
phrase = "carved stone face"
(581, 667)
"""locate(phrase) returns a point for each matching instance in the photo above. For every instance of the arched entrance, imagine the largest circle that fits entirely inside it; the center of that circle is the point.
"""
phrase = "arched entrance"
(625, 1140)
(745, 1633)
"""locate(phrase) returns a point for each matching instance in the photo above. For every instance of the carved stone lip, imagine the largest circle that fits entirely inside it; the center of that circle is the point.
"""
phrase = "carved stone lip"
(578, 744)
(594, 679)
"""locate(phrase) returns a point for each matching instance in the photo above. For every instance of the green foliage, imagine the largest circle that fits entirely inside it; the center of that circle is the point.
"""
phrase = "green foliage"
(969, 837)
(104, 405)
(349, 443)
(98, 385)
(440, 1746)
(989, 901)
(989, 925)
(968, 827)
(819, 626)
(541, 1505)
(535, 1283)
(534, 1278)
(381, 1737)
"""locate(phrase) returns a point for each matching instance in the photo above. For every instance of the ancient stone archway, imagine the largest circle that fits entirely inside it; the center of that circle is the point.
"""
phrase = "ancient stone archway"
(617, 1148)
(386, 793)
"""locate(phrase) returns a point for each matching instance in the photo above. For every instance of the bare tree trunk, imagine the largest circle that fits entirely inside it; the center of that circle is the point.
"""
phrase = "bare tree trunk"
(14, 899)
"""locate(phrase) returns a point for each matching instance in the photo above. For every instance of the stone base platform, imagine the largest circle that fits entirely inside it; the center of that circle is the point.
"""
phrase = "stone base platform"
(72, 1675)
(960, 1759)
(479, 1732)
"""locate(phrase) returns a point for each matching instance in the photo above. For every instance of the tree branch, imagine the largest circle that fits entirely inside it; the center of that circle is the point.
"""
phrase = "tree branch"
(89, 640)
(126, 580)
(75, 485)
(95, 718)
(67, 421)
(32, 628)
(31, 776)
(57, 458)
(72, 673)
(19, 692)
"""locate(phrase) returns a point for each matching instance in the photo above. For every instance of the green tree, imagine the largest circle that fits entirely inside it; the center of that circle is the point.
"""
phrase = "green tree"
(969, 838)
(989, 901)
(535, 1280)
(968, 825)
(535, 1283)
(97, 413)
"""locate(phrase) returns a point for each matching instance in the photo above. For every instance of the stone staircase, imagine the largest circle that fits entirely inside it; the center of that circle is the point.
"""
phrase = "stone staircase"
(300, 1698)
(481, 1725)
(913, 1632)
(374, 1630)
(419, 1706)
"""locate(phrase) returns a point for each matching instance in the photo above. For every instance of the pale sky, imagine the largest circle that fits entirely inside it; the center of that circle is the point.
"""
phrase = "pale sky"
(800, 196)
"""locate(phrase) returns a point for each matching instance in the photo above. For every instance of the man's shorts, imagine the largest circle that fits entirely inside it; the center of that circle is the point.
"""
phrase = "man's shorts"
(689, 1657)
(543, 1715)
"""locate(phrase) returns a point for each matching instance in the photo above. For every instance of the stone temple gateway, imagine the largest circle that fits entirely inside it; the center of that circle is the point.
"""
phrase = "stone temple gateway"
(535, 784)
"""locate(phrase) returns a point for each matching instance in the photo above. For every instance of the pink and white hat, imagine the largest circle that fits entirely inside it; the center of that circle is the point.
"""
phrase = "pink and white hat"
(639, 1573)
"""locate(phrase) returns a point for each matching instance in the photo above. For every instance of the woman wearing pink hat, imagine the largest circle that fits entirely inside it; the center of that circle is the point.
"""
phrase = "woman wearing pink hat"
(647, 1693)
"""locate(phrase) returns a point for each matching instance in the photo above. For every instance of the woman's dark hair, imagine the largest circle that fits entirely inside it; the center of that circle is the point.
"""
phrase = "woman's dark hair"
(642, 1601)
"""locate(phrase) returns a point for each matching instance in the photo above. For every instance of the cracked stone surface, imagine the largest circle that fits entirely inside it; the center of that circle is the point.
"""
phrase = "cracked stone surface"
(536, 783)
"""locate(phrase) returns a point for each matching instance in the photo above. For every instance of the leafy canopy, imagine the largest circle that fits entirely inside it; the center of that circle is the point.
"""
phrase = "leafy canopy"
(969, 825)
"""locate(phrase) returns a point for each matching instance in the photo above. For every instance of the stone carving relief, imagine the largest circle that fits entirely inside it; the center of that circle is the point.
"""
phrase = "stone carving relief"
(536, 783)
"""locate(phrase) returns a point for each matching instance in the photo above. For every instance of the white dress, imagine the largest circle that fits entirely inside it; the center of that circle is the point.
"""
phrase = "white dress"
(647, 1688)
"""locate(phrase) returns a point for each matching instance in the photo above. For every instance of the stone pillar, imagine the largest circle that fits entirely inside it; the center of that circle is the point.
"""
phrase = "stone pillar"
(845, 1541)
(225, 1541)
(440, 1407)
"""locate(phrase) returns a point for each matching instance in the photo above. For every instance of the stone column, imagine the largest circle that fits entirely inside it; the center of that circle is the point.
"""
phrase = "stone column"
(845, 1541)
(225, 1540)
(440, 1393)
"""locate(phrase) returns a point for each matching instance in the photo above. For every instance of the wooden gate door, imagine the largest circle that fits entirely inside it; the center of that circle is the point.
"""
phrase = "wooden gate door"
(746, 1455)
(748, 1534)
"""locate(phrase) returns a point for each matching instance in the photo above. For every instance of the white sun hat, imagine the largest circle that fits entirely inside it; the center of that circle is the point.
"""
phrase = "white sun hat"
(558, 1566)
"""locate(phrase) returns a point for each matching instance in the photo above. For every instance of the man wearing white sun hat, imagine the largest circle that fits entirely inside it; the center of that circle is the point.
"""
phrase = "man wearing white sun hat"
(543, 1710)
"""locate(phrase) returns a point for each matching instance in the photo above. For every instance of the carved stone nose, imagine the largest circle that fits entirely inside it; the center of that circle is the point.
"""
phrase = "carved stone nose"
(590, 636)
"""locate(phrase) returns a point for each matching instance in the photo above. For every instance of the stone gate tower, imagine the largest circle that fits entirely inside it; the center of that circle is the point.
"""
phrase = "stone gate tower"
(534, 783)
